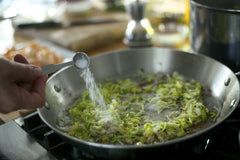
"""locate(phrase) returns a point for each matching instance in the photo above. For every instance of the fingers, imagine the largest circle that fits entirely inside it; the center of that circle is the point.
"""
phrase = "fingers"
(21, 59)
(36, 89)
(36, 97)
(22, 72)
(22, 86)
(14, 97)
(33, 99)
(38, 86)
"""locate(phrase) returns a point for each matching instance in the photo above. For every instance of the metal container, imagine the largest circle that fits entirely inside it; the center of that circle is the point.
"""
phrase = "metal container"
(215, 30)
(139, 30)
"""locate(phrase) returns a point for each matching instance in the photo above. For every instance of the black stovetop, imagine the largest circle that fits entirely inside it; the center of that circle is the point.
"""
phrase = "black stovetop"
(32, 139)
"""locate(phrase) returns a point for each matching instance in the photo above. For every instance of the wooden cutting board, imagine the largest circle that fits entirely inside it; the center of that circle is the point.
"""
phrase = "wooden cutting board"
(80, 38)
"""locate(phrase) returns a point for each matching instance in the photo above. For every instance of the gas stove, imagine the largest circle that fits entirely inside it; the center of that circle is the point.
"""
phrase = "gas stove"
(29, 138)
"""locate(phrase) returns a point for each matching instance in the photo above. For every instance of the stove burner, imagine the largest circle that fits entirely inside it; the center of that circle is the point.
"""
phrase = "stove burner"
(221, 143)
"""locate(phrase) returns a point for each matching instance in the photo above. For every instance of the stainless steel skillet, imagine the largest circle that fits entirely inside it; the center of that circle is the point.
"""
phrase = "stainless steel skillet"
(64, 87)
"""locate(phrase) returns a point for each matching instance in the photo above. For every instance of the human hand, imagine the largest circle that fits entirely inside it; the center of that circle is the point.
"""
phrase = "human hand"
(22, 85)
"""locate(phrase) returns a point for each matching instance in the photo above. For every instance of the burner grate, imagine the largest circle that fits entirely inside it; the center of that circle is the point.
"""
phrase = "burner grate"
(222, 143)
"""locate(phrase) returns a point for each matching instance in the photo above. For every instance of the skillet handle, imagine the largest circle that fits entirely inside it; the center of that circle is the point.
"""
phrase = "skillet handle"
(237, 74)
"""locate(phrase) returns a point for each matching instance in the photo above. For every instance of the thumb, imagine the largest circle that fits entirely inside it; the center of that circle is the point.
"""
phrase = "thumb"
(20, 58)
(24, 72)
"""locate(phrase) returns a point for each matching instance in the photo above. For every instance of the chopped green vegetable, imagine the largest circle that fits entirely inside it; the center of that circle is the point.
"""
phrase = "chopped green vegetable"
(149, 109)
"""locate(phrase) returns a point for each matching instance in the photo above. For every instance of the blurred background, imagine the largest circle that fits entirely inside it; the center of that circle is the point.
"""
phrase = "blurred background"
(64, 22)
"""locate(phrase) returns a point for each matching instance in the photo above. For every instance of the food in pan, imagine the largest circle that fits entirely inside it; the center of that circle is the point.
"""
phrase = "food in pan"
(35, 53)
(143, 109)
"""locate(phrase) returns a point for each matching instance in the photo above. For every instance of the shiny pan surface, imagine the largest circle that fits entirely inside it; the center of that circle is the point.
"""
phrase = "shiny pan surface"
(64, 87)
